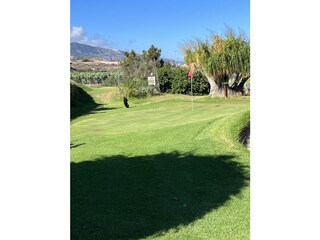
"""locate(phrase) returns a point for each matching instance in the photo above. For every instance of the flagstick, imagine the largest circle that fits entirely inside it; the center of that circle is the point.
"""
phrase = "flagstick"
(191, 94)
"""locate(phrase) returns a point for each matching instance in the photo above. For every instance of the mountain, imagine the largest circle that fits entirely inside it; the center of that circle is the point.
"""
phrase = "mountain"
(172, 61)
(79, 50)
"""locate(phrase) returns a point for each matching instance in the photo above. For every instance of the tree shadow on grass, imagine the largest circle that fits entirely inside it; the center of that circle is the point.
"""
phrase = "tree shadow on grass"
(103, 108)
(90, 108)
(82, 102)
(76, 145)
(121, 197)
(99, 109)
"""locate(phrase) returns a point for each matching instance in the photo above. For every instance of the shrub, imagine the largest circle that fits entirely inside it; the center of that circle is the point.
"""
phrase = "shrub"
(165, 78)
(85, 59)
(175, 80)
(134, 87)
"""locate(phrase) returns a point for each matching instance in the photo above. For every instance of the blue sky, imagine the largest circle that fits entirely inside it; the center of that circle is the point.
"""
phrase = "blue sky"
(168, 24)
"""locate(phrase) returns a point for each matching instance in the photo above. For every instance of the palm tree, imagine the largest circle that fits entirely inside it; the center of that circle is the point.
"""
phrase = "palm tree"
(220, 60)
(237, 61)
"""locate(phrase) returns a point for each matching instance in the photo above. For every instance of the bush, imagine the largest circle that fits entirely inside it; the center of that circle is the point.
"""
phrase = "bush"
(85, 59)
(175, 80)
(181, 84)
(134, 87)
(200, 84)
(165, 78)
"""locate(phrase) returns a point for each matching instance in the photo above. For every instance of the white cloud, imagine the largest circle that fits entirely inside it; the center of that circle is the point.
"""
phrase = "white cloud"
(78, 34)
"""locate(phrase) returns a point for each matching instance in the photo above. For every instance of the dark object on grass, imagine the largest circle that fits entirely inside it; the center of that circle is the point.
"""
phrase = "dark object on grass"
(125, 101)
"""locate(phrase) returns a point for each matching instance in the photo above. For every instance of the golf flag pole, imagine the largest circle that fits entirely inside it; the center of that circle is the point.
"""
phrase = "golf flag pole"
(190, 77)
(191, 94)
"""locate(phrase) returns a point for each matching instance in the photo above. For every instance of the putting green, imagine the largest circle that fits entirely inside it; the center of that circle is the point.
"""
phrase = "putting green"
(159, 170)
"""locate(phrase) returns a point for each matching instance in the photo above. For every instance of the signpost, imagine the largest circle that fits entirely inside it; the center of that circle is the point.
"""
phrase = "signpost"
(151, 81)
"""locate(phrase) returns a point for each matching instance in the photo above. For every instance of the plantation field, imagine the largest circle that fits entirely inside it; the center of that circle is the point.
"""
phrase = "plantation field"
(159, 170)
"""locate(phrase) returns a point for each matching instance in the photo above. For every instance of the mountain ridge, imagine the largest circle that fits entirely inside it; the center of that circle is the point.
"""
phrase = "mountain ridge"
(80, 50)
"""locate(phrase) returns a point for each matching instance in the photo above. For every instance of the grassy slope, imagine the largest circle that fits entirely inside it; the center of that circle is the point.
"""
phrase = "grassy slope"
(81, 101)
(159, 170)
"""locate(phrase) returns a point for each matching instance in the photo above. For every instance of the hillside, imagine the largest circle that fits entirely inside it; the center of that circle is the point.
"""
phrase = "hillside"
(78, 50)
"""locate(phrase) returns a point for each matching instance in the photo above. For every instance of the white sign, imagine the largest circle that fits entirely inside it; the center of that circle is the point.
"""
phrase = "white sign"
(151, 81)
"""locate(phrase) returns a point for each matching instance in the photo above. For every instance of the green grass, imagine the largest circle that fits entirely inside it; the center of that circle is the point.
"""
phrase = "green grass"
(81, 101)
(160, 171)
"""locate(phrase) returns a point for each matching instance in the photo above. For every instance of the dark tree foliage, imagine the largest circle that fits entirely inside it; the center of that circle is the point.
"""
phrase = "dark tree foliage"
(171, 78)
(165, 77)
(175, 80)
(200, 85)
(152, 53)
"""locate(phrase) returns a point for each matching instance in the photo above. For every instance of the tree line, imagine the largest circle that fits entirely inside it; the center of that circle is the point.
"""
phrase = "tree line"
(218, 63)
(221, 62)
(171, 78)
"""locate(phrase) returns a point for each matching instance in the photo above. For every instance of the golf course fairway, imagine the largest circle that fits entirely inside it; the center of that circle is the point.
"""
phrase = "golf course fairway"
(160, 169)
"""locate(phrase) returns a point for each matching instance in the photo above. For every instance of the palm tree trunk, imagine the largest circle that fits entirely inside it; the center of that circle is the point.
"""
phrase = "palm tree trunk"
(214, 88)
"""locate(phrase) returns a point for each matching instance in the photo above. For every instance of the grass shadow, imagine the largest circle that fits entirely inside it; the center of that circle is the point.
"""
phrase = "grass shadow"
(81, 102)
(76, 145)
(82, 110)
(90, 108)
(120, 197)
(99, 108)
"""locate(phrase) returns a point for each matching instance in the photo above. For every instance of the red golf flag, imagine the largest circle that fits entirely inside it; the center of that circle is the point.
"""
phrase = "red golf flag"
(190, 74)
